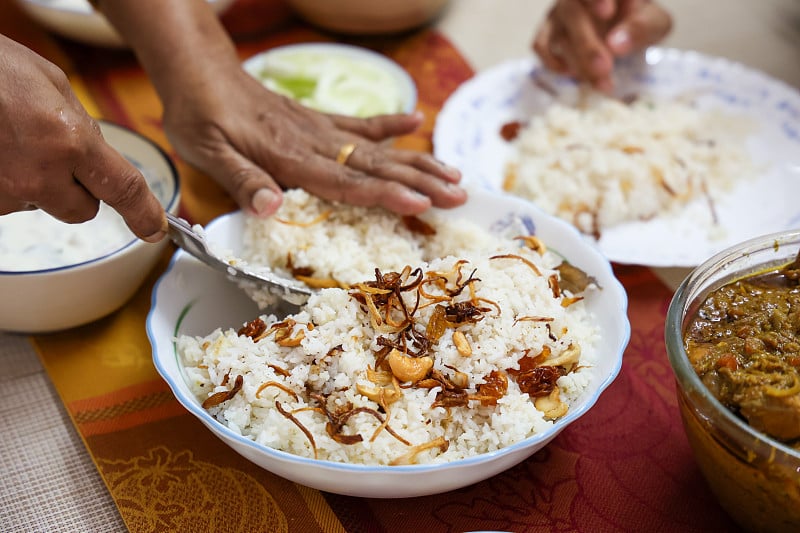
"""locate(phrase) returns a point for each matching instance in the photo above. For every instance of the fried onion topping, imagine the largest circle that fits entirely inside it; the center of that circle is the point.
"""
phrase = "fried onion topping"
(223, 396)
(406, 357)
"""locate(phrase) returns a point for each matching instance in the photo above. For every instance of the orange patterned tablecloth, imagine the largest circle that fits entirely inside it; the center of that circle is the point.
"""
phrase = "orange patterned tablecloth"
(625, 466)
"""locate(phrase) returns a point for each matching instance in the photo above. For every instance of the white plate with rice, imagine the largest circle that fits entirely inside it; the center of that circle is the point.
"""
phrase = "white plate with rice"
(706, 157)
(327, 346)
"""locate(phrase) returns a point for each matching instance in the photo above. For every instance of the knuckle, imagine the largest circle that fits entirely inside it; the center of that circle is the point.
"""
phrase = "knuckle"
(377, 162)
(57, 76)
(131, 189)
(239, 178)
(346, 184)
(375, 127)
(353, 187)
(288, 165)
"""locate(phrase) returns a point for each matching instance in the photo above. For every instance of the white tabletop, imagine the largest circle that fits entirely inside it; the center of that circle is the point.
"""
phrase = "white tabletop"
(49, 482)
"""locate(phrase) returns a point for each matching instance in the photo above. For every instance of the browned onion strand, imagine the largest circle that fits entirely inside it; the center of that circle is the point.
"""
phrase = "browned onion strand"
(289, 416)
(219, 397)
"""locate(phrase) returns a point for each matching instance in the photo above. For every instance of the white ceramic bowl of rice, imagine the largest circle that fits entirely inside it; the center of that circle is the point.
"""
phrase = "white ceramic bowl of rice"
(267, 415)
(55, 275)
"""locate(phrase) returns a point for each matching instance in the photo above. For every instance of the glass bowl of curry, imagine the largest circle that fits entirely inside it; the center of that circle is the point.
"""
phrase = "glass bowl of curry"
(733, 339)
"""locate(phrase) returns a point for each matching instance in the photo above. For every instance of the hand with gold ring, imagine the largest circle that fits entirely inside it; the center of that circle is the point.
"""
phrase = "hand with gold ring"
(254, 142)
(581, 38)
(335, 157)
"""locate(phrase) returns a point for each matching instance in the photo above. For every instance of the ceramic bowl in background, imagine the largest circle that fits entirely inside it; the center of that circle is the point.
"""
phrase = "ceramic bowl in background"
(755, 478)
(368, 17)
(78, 20)
(95, 267)
(336, 78)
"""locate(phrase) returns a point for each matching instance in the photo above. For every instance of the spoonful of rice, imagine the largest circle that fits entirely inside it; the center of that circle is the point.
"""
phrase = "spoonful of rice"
(194, 243)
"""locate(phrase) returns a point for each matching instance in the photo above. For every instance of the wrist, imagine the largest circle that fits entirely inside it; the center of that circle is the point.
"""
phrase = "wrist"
(178, 43)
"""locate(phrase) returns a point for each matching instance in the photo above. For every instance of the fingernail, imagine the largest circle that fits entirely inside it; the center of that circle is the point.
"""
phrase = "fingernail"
(264, 202)
(456, 191)
(155, 237)
(419, 115)
(160, 234)
(619, 40)
(453, 173)
(416, 196)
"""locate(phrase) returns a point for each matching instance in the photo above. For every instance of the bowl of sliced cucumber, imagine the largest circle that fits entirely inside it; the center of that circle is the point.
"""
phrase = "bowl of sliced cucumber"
(336, 78)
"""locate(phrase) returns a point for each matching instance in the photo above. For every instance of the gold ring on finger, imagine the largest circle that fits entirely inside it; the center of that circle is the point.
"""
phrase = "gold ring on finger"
(345, 152)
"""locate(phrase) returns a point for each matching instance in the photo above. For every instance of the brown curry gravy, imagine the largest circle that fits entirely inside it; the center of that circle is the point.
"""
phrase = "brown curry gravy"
(744, 343)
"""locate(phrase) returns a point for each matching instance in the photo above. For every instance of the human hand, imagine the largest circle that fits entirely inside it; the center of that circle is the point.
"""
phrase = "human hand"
(54, 157)
(250, 140)
(581, 38)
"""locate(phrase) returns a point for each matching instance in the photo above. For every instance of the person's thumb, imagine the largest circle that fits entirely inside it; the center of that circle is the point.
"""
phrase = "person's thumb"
(639, 29)
(251, 187)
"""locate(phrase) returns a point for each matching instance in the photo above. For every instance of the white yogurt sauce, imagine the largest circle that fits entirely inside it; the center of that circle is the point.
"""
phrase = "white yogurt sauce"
(34, 240)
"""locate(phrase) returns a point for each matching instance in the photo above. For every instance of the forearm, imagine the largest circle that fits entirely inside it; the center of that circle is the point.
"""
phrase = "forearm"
(180, 43)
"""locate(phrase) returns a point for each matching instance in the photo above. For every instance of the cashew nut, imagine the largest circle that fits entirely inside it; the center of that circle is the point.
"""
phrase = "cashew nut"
(380, 395)
(570, 356)
(460, 380)
(379, 377)
(407, 368)
(462, 344)
(551, 405)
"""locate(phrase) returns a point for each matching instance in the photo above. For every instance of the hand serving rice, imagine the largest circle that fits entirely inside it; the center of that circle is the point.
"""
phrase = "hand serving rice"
(603, 162)
(436, 341)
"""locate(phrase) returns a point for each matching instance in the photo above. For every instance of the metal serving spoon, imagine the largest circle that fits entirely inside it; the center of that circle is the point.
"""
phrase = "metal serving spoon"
(184, 236)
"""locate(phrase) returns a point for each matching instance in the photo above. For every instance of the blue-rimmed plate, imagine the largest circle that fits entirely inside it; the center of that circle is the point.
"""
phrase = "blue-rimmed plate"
(191, 298)
(467, 136)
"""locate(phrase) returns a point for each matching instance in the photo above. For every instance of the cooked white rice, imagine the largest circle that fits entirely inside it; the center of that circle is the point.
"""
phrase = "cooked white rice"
(604, 162)
(352, 241)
